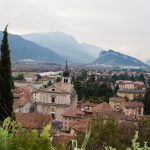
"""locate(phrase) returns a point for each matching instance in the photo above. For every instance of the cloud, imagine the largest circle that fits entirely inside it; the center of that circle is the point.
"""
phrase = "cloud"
(117, 24)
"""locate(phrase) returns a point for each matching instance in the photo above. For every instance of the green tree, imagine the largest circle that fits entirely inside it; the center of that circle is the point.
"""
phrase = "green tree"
(146, 102)
(38, 77)
(6, 97)
(79, 89)
(141, 77)
(19, 77)
(108, 133)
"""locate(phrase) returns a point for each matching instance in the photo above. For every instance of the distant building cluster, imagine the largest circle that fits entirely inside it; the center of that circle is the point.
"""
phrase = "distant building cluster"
(130, 89)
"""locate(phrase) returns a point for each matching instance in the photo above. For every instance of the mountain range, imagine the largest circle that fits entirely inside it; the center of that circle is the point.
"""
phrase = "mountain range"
(22, 49)
(148, 62)
(112, 57)
(54, 47)
(65, 45)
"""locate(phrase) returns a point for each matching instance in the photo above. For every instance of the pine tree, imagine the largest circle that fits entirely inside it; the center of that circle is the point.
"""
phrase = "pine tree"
(6, 96)
(147, 102)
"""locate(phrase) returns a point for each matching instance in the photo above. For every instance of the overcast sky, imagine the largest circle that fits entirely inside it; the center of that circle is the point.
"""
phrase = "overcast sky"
(122, 25)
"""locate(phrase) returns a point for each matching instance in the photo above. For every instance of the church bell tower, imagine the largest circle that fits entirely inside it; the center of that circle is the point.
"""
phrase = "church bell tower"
(66, 79)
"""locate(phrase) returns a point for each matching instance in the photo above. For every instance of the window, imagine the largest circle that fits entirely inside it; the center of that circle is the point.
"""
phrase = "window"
(65, 80)
(53, 99)
(53, 89)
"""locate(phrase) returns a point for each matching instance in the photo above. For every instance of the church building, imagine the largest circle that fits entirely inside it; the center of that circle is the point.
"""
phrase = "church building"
(56, 99)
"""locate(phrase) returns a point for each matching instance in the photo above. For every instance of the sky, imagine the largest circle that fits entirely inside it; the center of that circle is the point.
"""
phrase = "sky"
(121, 25)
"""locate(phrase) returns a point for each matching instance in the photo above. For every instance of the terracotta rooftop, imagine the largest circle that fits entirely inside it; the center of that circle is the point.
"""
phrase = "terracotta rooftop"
(22, 100)
(103, 107)
(58, 89)
(133, 104)
(80, 125)
(89, 104)
(120, 116)
(116, 99)
(25, 89)
(33, 120)
(74, 113)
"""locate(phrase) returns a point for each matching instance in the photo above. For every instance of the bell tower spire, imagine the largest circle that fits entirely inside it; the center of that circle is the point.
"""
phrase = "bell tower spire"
(66, 72)
(66, 79)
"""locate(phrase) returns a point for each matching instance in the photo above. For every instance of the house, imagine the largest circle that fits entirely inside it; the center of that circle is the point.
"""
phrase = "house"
(56, 99)
(79, 126)
(71, 115)
(92, 109)
(125, 84)
(139, 85)
(128, 108)
(22, 103)
(117, 103)
(130, 93)
(87, 111)
(101, 108)
(134, 108)
(87, 107)
(130, 89)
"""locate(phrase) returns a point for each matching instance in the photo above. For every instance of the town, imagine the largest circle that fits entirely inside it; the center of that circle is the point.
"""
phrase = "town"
(74, 75)
(70, 97)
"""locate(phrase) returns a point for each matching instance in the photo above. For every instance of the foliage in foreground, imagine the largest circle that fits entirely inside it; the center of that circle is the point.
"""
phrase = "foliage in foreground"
(109, 132)
(135, 145)
(13, 137)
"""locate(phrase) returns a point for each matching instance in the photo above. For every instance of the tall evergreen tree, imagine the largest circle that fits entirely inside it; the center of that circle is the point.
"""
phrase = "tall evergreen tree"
(147, 102)
(6, 96)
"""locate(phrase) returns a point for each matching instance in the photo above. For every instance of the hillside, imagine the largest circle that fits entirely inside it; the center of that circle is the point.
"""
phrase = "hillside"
(22, 50)
(111, 57)
(148, 62)
(65, 45)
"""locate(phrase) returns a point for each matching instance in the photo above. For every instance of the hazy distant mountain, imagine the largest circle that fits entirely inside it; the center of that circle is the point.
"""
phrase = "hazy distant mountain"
(90, 49)
(22, 50)
(148, 62)
(111, 57)
(65, 45)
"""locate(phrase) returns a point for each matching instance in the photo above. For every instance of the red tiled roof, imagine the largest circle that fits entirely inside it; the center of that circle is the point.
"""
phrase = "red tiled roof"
(25, 89)
(103, 107)
(33, 120)
(133, 104)
(75, 113)
(22, 100)
(80, 125)
(116, 99)
(89, 104)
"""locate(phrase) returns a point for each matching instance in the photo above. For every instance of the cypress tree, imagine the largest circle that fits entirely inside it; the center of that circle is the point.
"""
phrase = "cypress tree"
(6, 96)
(146, 102)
